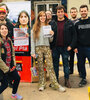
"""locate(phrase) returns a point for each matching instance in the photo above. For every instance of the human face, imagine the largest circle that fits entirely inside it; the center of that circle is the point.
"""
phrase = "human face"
(2, 16)
(83, 12)
(3, 31)
(23, 19)
(73, 13)
(42, 18)
(60, 14)
(49, 15)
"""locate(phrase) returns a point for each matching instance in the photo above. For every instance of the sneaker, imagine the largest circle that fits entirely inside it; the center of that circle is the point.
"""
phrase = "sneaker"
(41, 88)
(16, 96)
(82, 83)
(62, 89)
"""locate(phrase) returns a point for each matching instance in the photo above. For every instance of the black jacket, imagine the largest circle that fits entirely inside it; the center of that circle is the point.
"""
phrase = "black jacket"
(70, 35)
(10, 28)
(54, 28)
(83, 32)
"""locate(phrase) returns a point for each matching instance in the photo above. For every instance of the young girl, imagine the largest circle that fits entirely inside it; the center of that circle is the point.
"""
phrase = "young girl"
(40, 46)
(8, 57)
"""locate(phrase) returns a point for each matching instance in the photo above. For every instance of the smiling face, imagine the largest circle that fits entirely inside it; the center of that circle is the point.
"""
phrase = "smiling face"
(60, 14)
(23, 19)
(42, 18)
(84, 12)
(3, 31)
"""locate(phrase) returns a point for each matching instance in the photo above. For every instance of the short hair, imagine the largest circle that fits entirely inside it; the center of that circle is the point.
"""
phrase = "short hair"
(60, 7)
(73, 8)
(83, 6)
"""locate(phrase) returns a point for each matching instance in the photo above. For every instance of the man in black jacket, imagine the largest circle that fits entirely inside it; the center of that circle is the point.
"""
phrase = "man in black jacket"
(65, 41)
(83, 41)
(73, 13)
(53, 26)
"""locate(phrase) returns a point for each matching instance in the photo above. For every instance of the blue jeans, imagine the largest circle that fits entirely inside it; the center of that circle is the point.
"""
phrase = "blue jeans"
(83, 53)
(56, 55)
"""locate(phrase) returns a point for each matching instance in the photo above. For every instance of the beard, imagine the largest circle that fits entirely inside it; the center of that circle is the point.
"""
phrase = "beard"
(74, 17)
(84, 16)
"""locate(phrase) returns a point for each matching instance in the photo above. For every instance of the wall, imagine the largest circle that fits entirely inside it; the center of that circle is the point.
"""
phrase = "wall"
(77, 4)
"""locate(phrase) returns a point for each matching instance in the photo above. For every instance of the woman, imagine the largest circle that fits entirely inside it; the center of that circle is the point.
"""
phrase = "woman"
(40, 46)
(8, 57)
(24, 22)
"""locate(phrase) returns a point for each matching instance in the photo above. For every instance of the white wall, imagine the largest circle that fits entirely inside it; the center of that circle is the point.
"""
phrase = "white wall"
(77, 4)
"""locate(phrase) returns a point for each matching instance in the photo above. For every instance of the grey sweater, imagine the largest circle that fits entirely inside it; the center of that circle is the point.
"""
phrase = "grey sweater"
(42, 41)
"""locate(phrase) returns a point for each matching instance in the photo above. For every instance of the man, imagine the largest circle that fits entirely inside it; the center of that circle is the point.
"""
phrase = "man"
(3, 18)
(53, 26)
(65, 41)
(83, 41)
(73, 13)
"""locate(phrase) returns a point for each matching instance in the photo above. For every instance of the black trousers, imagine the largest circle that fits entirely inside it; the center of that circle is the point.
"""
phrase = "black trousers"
(16, 78)
(3, 84)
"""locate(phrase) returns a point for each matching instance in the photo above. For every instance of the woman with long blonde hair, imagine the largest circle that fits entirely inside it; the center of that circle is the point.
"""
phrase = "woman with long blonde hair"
(40, 47)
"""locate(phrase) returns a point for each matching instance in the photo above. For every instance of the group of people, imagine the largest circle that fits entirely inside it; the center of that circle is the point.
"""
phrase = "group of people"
(8, 72)
(68, 36)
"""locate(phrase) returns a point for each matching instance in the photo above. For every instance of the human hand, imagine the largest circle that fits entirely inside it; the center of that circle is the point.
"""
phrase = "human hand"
(69, 48)
(51, 32)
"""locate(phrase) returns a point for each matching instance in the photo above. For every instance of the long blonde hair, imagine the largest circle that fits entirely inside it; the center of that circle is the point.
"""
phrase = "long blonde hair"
(37, 25)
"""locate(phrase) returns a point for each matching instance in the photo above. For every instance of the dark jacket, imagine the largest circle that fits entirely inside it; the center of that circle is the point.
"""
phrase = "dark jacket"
(4, 52)
(54, 28)
(10, 28)
(83, 32)
(70, 36)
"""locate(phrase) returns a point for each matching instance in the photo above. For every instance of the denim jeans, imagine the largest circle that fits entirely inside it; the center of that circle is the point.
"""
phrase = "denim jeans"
(83, 53)
(56, 55)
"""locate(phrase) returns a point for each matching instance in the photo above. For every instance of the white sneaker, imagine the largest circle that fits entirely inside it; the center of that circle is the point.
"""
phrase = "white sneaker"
(16, 96)
(41, 88)
(62, 89)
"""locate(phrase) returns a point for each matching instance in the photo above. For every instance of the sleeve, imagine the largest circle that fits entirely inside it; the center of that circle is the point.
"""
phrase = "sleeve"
(3, 66)
(32, 44)
(13, 55)
(74, 36)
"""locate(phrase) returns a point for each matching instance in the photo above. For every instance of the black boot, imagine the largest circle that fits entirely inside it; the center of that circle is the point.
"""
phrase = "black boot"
(67, 83)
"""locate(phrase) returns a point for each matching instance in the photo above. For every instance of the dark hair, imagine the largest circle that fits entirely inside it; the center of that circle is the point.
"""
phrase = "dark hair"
(3, 24)
(83, 6)
(60, 7)
(18, 22)
(73, 8)
(0, 28)
(3, 4)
